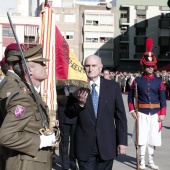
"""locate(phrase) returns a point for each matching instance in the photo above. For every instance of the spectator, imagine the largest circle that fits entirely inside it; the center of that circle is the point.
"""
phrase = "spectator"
(67, 128)
(106, 74)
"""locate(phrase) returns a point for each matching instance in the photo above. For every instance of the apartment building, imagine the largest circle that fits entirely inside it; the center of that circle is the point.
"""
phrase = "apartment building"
(116, 32)
(136, 21)
(26, 29)
(98, 25)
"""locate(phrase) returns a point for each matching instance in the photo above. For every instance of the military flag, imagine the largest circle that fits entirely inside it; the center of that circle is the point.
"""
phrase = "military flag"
(47, 39)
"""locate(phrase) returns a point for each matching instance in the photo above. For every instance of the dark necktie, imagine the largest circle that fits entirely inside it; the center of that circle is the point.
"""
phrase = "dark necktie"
(95, 98)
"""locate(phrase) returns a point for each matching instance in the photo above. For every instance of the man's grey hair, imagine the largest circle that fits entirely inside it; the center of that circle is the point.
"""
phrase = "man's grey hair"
(100, 60)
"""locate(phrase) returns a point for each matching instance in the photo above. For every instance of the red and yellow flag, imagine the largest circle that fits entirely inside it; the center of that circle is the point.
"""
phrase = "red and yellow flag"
(64, 69)
(69, 71)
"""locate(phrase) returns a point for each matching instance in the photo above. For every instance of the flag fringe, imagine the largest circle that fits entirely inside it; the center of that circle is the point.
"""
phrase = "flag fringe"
(78, 83)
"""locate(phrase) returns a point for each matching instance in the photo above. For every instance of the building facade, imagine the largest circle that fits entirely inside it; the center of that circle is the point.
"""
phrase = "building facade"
(116, 32)
(135, 22)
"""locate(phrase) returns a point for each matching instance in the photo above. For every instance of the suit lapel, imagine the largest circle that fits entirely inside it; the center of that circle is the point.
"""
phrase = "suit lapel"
(102, 96)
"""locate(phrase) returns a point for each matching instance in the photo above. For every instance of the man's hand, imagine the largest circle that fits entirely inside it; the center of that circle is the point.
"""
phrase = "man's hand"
(82, 96)
(57, 122)
(134, 115)
(161, 118)
(121, 149)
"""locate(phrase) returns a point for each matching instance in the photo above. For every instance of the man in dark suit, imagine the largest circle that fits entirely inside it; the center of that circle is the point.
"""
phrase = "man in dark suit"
(67, 128)
(101, 130)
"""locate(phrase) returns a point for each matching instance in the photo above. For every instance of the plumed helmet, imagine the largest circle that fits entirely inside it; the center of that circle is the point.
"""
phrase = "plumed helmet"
(148, 58)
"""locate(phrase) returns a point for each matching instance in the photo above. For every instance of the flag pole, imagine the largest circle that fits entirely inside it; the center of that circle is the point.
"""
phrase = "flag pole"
(137, 130)
(46, 1)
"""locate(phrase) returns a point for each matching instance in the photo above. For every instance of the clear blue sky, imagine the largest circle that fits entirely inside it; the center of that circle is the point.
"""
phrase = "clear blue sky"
(7, 5)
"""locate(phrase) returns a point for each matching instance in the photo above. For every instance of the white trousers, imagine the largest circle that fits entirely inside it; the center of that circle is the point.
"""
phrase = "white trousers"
(148, 130)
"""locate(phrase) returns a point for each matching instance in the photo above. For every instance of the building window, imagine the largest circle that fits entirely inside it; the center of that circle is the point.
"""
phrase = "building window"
(140, 16)
(69, 18)
(123, 14)
(106, 39)
(139, 48)
(7, 32)
(69, 35)
(28, 39)
(31, 33)
(99, 37)
(93, 40)
(105, 54)
(123, 30)
(95, 20)
(141, 31)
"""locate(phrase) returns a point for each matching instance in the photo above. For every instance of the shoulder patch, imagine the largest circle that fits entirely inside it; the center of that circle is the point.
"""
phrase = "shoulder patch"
(19, 111)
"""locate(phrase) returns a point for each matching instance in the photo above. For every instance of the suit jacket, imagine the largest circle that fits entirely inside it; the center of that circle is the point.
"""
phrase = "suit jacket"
(110, 127)
(20, 131)
(62, 102)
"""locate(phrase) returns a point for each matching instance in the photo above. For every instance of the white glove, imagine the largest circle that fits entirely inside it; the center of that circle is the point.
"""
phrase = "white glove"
(47, 140)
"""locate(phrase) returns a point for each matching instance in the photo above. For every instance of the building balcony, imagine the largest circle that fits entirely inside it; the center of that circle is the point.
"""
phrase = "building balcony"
(140, 40)
(123, 21)
(124, 38)
(138, 56)
(141, 23)
(165, 57)
(124, 55)
(164, 41)
(98, 28)
(95, 45)
(164, 23)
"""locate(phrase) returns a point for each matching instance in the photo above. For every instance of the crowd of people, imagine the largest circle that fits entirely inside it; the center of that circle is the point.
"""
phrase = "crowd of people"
(125, 79)
(93, 122)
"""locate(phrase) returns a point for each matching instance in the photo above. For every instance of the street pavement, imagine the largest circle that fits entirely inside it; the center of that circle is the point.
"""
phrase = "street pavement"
(128, 161)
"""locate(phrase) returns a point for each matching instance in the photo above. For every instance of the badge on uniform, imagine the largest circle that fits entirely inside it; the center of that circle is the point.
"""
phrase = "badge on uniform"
(19, 111)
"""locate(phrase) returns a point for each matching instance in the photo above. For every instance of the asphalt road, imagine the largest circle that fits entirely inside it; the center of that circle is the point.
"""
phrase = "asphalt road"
(128, 161)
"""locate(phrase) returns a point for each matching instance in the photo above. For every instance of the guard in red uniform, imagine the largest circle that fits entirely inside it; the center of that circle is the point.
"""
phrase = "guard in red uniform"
(151, 106)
